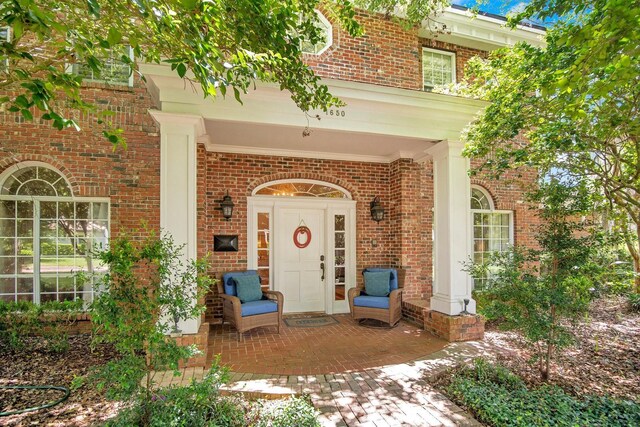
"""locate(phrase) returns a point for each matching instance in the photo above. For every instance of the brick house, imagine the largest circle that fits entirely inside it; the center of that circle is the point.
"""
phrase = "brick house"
(394, 143)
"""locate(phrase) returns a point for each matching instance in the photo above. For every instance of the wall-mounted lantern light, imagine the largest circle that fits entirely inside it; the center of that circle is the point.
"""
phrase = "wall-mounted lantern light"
(377, 211)
(226, 206)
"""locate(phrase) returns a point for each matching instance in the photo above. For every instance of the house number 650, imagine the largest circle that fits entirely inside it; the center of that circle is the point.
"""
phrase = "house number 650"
(335, 113)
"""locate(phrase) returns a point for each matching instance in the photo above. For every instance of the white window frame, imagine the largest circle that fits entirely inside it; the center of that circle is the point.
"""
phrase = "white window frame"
(440, 52)
(492, 210)
(328, 35)
(69, 70)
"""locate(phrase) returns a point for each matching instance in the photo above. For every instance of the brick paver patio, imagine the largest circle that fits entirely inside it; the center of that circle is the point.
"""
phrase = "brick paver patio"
(392, 395)
(355, 376)
(342, 347)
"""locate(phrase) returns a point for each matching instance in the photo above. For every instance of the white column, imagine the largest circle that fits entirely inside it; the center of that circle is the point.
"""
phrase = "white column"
(178, 185)
(451, 249)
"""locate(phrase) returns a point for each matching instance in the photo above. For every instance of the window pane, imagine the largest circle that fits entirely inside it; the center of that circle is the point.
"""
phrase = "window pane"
(49, 210)
(7, 246)
(48, 283)
(100, 211)
(7, 228)
(339, 222)
(7, 209)
(7, 285)
(25, 209)
(339, 240)
(7, 265)
(25, 284)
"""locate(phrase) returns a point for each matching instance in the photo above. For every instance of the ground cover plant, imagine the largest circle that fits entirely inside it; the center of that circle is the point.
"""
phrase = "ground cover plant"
(499, 398)
(202, 404)
(48, 321)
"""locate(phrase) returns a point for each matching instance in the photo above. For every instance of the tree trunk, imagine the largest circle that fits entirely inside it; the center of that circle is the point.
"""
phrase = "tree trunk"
(635, 253)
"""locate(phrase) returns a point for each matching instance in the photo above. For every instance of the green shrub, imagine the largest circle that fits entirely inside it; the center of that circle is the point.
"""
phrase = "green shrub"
(147, 290)
(201, 404)
(49, 321)
(292, 412)
(497, 397)
(195, 405)
(634, 302)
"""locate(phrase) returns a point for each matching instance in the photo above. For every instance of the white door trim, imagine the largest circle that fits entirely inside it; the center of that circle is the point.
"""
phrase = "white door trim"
(331, 207)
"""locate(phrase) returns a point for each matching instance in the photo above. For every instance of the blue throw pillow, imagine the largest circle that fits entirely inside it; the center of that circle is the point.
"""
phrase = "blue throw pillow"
(376, 283)
(248, 288)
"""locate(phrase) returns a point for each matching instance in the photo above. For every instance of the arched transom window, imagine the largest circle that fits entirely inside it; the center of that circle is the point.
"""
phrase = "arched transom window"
(301, 188)
(47, 236)
(35, 181)
(492, 229)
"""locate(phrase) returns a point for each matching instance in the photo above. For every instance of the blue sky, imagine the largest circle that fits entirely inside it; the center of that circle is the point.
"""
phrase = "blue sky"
(498, 7)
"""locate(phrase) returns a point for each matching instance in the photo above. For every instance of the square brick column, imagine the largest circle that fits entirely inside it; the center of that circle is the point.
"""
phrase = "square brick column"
(452, 246)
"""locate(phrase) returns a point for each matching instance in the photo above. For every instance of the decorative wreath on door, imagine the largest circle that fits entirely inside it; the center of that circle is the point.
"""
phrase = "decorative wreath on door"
(302, 230)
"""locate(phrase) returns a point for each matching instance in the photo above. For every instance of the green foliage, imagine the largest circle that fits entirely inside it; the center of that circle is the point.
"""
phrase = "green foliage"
(147, 289)
(576, 100)
(533, 290)
(48, 321)
(499, 398)
(219, 45)
(634, 302)
(291, 412)
(201, 404)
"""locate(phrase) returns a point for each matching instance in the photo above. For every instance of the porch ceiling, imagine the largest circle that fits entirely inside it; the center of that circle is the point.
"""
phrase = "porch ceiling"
(377, 123)
(267, 139)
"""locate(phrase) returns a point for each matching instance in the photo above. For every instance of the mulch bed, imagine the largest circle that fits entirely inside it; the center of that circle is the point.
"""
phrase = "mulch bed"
(605, 359)
(34, 365)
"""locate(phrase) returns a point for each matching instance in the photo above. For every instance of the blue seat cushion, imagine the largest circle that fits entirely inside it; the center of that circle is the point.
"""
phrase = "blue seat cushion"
(393, 278)
(230, 285)
(371, 302)
(258, 307)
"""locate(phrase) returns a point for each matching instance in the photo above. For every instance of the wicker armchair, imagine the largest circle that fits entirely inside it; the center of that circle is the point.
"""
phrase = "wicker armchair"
(249, 315)
(385, 309)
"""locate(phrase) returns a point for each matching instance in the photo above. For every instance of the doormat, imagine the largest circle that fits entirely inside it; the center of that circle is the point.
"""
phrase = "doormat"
(310, 321)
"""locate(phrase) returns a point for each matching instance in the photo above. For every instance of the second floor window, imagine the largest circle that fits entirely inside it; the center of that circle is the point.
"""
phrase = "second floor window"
(438, 68)
(114, 70)
(324, 26)
(5, 37)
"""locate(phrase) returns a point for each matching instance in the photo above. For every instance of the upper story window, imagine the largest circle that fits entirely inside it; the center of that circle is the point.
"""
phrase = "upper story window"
(438, 68)
(492, 229)
(327, 32)
(5, 36)
(114, 70)
(47, 236)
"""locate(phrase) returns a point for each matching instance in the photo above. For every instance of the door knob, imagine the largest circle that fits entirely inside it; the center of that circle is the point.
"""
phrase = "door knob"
(322, 268)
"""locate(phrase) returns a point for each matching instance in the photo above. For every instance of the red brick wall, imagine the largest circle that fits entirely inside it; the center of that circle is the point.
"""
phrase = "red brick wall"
(129, 177)
(386, 55)
(240, 174)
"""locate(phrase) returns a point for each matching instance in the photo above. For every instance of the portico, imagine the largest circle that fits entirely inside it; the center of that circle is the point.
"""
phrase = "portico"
(395, 144)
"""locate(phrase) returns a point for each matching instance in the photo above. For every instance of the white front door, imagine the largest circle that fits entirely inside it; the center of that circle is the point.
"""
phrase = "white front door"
(298, 274)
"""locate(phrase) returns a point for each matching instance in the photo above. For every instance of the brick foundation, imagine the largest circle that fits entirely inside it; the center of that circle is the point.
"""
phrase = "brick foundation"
(413, 310)
(454, 328)
(201, 340)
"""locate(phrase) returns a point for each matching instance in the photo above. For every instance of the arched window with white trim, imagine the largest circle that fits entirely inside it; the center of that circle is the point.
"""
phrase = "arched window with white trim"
(47, 236)
(492, 229)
